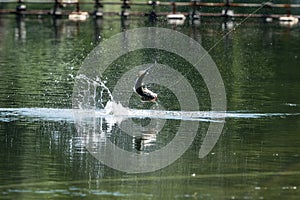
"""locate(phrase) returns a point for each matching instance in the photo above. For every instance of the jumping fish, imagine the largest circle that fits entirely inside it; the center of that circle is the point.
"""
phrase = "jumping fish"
(146, 94)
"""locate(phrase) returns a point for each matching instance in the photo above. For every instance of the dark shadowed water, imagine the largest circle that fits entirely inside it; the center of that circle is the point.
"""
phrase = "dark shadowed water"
(43, 153)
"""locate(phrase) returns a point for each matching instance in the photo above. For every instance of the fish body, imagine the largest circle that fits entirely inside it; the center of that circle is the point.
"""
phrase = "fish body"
(146, 94)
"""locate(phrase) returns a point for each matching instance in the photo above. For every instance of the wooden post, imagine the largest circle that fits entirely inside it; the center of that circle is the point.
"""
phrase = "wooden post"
(98, 9)
(266, 13)
(125, 6)
(152, 14)
(57, 9)
(21, 7)
(227, 2)
(226, 12)
(77, 7)
(173, 7)
(98, 4)
(195, 13)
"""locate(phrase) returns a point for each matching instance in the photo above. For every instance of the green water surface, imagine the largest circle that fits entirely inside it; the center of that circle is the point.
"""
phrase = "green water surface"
(254, 158)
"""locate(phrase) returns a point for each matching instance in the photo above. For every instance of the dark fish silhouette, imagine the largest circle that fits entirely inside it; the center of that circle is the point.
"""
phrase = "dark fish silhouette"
(146, 94)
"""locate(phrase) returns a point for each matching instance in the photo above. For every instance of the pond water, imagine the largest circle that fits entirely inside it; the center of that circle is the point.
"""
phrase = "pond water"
(46, 152)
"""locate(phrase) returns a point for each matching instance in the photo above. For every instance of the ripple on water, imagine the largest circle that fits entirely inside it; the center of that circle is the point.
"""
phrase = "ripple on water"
(75, 192)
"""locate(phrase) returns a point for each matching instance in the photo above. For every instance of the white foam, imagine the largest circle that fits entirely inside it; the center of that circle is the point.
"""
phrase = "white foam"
(117, 112)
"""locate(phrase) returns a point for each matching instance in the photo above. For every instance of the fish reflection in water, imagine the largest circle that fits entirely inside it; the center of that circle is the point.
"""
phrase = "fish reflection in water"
(147, 139)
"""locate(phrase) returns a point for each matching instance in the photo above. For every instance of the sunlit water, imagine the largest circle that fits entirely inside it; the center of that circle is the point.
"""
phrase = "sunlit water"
(43, 152)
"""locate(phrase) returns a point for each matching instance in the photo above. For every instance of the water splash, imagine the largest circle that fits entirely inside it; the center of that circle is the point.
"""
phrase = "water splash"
(92, 93)
(117, 109)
